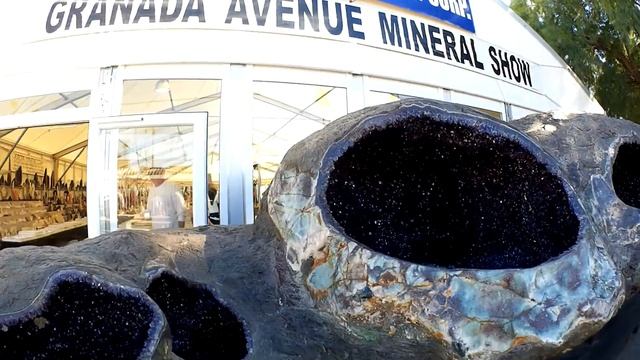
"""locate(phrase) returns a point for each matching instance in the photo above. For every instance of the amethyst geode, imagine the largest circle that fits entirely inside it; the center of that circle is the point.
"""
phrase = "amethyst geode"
(437, 222)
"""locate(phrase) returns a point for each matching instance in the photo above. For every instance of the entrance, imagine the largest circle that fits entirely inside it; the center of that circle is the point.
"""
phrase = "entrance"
(150, 172)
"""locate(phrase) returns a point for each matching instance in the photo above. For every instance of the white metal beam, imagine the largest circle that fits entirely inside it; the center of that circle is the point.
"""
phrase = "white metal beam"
(70, 149)
(236, 186)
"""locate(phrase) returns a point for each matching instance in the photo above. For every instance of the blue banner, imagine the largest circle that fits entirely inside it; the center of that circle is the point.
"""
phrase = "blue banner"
(456, 12)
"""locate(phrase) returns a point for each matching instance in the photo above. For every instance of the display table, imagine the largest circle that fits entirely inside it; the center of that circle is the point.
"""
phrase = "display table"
(138, 222)
(57, 234)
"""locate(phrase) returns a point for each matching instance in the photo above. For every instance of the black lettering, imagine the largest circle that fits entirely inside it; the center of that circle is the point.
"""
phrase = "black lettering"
(352, 21)
(124, 9)
(494, 57)
(59, 17)
(419, 36)
(98, 15)
(478, 63)
(148, 11)
(515, 68)
(465, 54)
(504, 64)
(405, 33)
(282, 10)
(390, 31)
(450, 44)
(165, 16)
(239, 14)
(309, 14)
(333, 30)
(75, 12)
(435, 41)
(192, 11)
(261, 15)
(525, 68)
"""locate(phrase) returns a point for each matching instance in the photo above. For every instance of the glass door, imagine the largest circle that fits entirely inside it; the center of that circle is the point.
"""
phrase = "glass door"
(149, 172)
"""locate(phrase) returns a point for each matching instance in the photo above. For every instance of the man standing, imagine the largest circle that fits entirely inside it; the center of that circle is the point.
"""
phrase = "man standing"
(165, 204)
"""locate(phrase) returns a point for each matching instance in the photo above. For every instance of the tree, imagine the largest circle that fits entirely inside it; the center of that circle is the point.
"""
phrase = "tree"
(600, 40)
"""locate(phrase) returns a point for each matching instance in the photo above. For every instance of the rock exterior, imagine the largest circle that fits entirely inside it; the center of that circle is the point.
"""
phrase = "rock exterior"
(586, 148)
(412, 230)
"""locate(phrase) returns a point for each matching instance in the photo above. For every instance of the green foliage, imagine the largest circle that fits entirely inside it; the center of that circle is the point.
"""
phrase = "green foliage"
(600, 40)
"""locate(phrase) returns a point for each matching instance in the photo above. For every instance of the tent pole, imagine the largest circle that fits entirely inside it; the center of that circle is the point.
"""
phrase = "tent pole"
(13, 148)
(71, 165)
(4, 133)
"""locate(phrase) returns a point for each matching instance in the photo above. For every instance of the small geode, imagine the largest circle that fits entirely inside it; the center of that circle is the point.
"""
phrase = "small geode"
(78, 316)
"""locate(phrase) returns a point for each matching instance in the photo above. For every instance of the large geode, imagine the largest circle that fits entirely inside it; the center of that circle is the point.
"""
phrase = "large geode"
(412, 230)
(439, 222)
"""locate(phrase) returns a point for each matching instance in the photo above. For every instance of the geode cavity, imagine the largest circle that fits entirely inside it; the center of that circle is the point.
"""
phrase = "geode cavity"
(439, 223)
(78, 316)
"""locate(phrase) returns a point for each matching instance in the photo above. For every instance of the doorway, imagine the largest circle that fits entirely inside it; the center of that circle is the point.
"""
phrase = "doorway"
(150, 172)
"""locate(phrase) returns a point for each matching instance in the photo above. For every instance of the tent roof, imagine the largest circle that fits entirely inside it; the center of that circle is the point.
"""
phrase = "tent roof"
(51, 140)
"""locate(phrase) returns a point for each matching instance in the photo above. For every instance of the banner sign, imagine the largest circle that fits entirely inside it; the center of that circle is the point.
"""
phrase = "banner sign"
(361, 23)
(456, 12)
(31, 164)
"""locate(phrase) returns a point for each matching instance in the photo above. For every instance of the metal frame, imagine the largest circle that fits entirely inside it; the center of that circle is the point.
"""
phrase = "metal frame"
(70, 149)
(231, 202)
(478, 102)
(235, 128)
(56, 160)
(353, 84)
(103, 151)
(65, 100)
(4, 133)
(45, 118)
(380, 85)
(107, 102)
(191, 104)
(292, 109)
(235, 147)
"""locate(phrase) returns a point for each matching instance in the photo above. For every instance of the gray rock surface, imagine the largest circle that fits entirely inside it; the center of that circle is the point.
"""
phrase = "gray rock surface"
(586, 147)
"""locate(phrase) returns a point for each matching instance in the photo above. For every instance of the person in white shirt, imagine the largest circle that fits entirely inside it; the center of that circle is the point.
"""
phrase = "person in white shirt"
(165, 204)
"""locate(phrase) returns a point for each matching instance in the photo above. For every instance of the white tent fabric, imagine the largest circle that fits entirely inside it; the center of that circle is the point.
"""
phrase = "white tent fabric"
(50, 140)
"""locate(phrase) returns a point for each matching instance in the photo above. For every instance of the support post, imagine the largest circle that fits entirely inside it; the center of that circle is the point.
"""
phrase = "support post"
(13, 148)
(71, 165)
